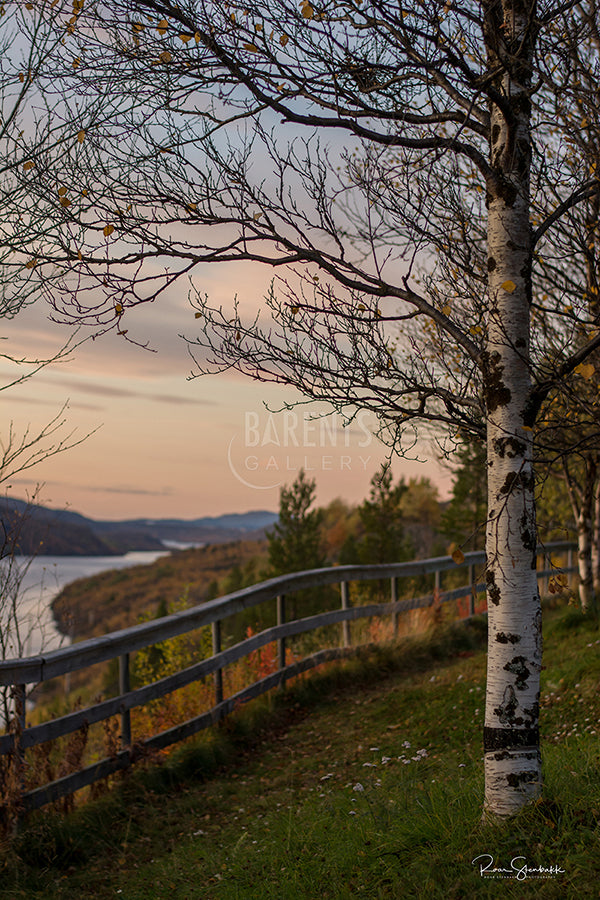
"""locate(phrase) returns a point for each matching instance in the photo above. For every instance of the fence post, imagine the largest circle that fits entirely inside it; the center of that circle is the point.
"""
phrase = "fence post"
(394, 600)
(216, 648)
(124, 688)
(17, 727)
(281, 640)
(346, 640)
(473, 591)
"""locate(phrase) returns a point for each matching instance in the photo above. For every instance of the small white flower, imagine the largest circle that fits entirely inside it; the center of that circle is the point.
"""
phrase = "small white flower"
(325, 777)
(406, 744)
(358, 787)
(352, 812)
(374, 749)
(369, 765)
(196, 833)
(462, 765)
(432, 678)
(385, 759)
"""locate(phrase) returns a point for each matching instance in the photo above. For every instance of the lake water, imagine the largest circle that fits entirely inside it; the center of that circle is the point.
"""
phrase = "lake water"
(43, 578)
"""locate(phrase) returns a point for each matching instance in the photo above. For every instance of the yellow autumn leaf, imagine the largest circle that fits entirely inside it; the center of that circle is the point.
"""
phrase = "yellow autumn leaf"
(64, 201)
(295, 310)
(28, 165)
(162, 26)
(197, 37)
(198, 315)
(446, 310)
(252, 48)
(165, 56)
(185, 38)
(80, 136)
(30, 264)
(458, 556)
(586, 370)
(62, 191)
(118, 309)
(509, 286)
(283, 40)
(108, 230)
(307, 11)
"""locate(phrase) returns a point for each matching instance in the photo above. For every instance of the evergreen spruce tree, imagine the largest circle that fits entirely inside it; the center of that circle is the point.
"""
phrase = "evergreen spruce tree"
(295, 542)
(465, 517)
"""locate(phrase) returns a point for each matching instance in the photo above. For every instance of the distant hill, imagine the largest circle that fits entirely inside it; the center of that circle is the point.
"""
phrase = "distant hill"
(114, 599)
(52, 532)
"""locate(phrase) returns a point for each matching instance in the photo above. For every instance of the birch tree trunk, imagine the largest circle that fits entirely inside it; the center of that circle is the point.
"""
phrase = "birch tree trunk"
(583, 497)
(584, 556)
(511, 732)
(596, 541)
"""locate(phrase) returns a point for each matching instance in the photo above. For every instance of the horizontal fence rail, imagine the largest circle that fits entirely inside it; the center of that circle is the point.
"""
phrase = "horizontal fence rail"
(121, 644)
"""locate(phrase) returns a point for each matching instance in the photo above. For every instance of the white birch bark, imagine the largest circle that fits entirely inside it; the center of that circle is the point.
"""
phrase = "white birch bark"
(582, 496)
(596, 541)
(584, 558)
(511, 736)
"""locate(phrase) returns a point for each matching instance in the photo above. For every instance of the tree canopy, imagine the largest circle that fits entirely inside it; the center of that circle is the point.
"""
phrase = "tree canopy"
(404, 170)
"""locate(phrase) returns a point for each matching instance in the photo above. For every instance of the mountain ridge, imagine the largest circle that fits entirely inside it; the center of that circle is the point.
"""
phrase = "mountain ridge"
(37, 529)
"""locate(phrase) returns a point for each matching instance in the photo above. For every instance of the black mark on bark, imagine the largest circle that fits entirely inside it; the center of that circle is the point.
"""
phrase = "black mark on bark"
(492, 588)
(501, 740)
(496, 392)
(506, 710)
(509, 447)
(527, 776)
(506, 637)
(516, 480)
(518, 667)
(528, 535)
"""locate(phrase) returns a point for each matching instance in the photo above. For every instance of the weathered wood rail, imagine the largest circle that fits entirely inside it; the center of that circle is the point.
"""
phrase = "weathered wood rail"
(121, 644)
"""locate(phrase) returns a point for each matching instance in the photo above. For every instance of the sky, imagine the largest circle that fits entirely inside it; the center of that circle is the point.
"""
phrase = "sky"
(159, 444)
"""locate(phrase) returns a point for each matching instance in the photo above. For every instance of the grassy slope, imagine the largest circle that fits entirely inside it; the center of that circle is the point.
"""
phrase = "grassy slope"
(283, 816)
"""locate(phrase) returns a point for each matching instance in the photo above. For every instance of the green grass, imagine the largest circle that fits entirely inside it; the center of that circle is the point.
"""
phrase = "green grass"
(317, 794)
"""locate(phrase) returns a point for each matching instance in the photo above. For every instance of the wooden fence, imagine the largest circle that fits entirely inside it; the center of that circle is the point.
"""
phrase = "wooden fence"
(121, 644)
